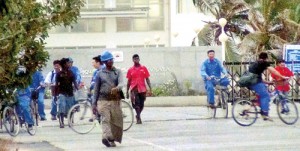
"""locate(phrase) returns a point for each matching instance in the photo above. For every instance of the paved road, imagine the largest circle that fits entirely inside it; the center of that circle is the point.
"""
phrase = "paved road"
(170, 128)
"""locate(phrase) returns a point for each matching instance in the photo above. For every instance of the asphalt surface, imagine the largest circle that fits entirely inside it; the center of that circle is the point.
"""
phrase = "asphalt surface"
(169, 128)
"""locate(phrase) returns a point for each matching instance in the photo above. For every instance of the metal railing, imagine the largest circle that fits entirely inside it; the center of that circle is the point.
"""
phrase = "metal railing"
(236, 69)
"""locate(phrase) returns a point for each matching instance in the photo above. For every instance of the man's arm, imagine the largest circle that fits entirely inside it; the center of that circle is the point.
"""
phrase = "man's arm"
(127, 88)
(275, 72)
(203, 72)
(48, 79)
(149, 84)
(96, 89)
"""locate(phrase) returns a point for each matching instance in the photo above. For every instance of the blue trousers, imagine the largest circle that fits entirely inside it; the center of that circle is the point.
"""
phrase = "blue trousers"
(210, 89)
(23, 109)
(65, 103)
(53, 111)
(262, 91)
(41, 105)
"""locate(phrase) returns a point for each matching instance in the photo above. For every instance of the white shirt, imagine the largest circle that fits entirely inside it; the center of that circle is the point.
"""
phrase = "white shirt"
(48, 79)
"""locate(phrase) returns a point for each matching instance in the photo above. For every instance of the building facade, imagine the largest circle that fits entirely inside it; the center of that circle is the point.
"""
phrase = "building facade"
(130, 24)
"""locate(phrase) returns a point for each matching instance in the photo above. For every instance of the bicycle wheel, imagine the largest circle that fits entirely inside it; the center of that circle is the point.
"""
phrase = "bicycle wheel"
(244, 112)
(81, 118)
(35, 111)
(222, 106)
(211, 111)
(287, 111)
(127, 113)
(32, 130)
(11, 121)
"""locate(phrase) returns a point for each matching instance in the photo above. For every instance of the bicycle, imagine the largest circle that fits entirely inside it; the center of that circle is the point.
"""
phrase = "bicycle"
(221, 102)
(82, 119)
(10, 120)
(34, 104)
(245, 112)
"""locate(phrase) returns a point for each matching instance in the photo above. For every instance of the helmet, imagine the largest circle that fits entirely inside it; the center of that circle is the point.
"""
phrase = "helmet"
(106, 55)
(70, 59)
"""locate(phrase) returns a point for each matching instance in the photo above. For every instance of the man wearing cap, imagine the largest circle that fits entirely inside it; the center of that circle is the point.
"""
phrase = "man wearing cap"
(39, 85)
(109, 83)
(75, 71)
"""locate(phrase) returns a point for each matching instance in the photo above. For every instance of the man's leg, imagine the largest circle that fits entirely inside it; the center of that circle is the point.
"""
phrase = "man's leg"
(61, 110)
(140, 99)
(25, 110)
(210, 91)
(53, 111)
(103, 108)
(261, 90)
(41, 106)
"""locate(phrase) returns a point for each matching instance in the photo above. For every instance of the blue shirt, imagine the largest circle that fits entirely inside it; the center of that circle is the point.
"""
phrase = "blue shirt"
(23, 94)
(37, 80)
(212, 68)
(76, 73)
(95, 75)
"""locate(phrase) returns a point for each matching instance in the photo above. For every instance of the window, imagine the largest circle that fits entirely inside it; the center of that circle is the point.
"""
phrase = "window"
(124, 24)
(184, 6)
(154, 21)
(91, 4)
(83, 25)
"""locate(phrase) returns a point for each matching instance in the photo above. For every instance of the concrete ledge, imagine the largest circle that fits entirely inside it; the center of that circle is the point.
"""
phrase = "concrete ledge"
(175, 101)
(167, 101)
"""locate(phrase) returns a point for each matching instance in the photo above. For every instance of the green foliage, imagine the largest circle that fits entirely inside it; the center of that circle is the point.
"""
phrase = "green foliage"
(168, 88)
(24, 25)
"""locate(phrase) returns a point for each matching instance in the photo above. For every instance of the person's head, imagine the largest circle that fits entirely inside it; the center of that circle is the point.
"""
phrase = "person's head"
(56, 65)
(263, 56)
(96, 62)
(70, 62)
(211, 54)
(136, 59)
(107, 58)
(280, 63)
(64, 63)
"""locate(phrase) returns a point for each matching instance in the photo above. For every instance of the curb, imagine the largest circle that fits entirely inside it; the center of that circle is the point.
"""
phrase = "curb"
(167, 101)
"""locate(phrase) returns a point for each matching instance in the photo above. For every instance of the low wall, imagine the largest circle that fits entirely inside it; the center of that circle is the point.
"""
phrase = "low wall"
(163, 63)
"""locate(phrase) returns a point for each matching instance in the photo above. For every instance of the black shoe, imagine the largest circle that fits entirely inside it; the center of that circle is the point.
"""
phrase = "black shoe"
(30, 127)
(211, 106)
(53, 118)
(106, 142)
(112, 143)
(138, 120)
(43, 119)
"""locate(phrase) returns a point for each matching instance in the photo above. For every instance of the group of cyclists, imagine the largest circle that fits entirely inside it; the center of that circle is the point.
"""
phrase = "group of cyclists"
(212, 67)
(39, 83)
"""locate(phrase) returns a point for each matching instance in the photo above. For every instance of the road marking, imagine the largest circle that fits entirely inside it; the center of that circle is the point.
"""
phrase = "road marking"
(151, 144)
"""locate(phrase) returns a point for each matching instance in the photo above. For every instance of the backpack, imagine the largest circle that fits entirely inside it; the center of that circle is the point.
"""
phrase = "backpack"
(248, 79)
(52, 75)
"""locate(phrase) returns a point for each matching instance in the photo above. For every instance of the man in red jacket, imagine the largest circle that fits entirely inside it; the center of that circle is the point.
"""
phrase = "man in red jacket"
(282, 85)
(137, 75)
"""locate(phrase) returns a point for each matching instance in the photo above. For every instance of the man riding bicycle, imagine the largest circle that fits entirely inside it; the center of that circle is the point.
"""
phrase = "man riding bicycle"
(282, 85)
(212, 67)
(23, 109)
(260, 88)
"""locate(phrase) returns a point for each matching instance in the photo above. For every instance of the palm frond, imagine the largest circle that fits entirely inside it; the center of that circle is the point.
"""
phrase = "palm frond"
(205, 36)
(206, 6)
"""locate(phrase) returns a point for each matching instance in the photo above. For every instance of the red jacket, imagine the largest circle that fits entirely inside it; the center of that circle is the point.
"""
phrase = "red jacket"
(285, 72)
